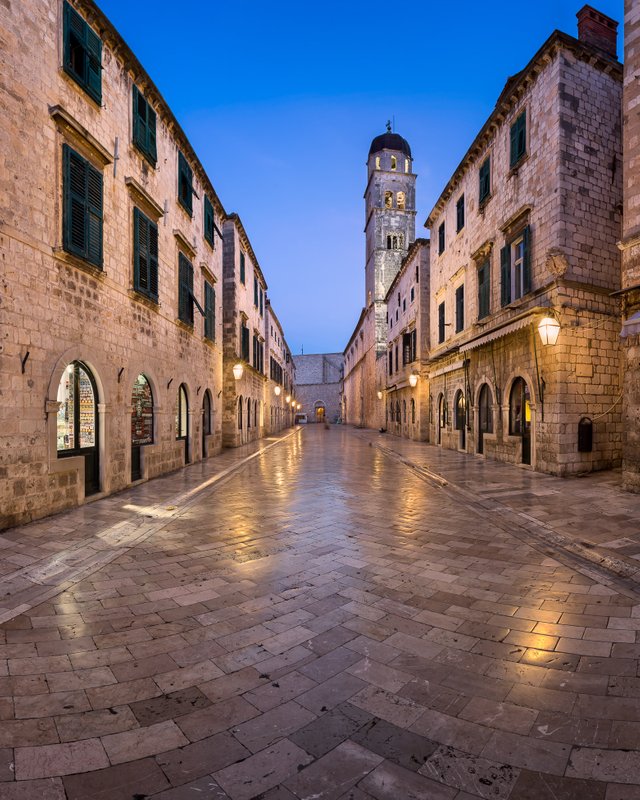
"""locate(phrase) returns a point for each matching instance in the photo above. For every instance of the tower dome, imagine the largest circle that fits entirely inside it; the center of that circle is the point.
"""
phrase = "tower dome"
(390, 141)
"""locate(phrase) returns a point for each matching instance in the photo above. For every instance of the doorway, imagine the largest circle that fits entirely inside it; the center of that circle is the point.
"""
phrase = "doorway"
(320, 411)
(520, 416)
(182, 421)
(77, 421)
(141, 423)
(206, 421)
(460, 410)
(485, 415)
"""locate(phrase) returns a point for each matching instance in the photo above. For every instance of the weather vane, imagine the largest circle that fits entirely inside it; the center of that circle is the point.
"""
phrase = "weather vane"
(389, 125)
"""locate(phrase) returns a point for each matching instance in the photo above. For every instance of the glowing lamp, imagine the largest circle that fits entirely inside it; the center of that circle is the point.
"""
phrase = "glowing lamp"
(238, 370)
(379, 395)
(413, 379)
(277, 390)
(287, 399)
(549, 328)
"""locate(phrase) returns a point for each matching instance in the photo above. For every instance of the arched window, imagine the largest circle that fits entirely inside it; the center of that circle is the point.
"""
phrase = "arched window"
(394, 163)
(240, 405)
(141, 422)
(256, 418)
(413, 411)
(485, 415)
(404, 410)
(77, 420)
(398, 417)
(406, 165)
(460, 408)
(377, 162)
(248, 413)
(206, 414)
(388, 199)
(401, 200)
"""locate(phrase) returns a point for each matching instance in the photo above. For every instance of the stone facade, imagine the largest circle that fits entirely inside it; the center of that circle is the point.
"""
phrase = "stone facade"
(408, 301)
(630, 247)
(389, 231)
(281, 374)
(111, 357)
(526, 229)
(319, 385)
(244, 308)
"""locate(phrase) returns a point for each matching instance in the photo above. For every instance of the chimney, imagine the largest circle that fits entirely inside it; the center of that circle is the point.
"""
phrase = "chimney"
(598, 30)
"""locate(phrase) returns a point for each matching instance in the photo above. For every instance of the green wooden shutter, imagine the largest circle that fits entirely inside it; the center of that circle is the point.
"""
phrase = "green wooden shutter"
(94, 215)
(153, 260)
(242, 269)
(208, 221)
(505, 275)
(151, 135)
(136, 250)
(75, 202)
(209, 310)
(94, 64)
(185, 183)
(526, 260)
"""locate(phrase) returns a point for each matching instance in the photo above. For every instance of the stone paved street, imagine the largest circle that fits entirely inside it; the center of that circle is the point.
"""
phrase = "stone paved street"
(323, 623)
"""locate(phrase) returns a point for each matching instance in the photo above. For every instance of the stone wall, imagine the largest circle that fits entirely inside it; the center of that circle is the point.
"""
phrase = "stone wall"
(319, 381)
(56, 307)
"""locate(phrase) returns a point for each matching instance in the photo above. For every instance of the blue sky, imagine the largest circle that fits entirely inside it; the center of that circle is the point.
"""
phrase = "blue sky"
(281, 100)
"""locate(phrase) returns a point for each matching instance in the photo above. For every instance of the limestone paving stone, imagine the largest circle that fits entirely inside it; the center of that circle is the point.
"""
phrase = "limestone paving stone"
(144, 777)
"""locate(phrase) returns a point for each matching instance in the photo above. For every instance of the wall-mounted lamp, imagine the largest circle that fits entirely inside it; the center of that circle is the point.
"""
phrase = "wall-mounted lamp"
(413, 380)
(287, 399)
(379, 395)
(277, 391)
(238, 370)
(298, 406)
(549, 329)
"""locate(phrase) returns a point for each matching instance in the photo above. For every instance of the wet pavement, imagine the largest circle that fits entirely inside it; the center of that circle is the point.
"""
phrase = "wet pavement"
(322, 622)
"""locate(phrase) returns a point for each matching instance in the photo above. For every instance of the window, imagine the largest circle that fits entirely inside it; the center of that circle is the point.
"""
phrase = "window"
(255, 291)
(484, 290)
(515, 268)
(182, 413)
(401, 200)
(417, 274)
(441, 323)
(394, 163)
(396, 358)
(185, 290)
(209, 224)
(409, 342)
(413, 411)
(377, 162)
(244, 342)
(258, 354)
(240, 404)
(242, 269)
(394, 242)
(404, 304)
(82, 207)
(388, 199)
(519, 408)
(460, 214)
(82, 53)
(144, 127)
(261, 302)
(518, 139)
(484, 175)
(185, 184)
(412, 294)
(406, 165)
(459, 308)
(441, 239)
(145, 255)
(390, 362)
(209, 312)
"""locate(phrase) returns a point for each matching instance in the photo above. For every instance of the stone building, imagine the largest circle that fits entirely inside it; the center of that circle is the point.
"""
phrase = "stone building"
(281, 376)
(319, 385)
(389, 231)
(630, 247)
(406, 391)
(244, 306)
(523, 246)
(110, 351)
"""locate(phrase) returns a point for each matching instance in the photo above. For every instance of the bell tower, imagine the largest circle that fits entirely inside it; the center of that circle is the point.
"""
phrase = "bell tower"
(390, 225)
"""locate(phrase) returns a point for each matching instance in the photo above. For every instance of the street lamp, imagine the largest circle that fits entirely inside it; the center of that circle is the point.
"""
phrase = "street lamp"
(549, 328)
(277, 390)
(379, 395)
(413, 380)
(287, 399)
(299, 406)
(238, 369)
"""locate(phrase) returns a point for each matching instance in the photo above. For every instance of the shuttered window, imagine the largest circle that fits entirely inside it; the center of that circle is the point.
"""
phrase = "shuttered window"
(459, 308)
(209, 312)
(82, 58)
(242, 269)
(185, 184)
(518, 139)
(441, 242)
(441, 323)
(255, 292)
(144, 127)
(145, 255)
(244, 342)
(515, 268)
(82, 207)
(460, 214)
(485, 179)
(185, 290)
(483, 291)
(209, 227)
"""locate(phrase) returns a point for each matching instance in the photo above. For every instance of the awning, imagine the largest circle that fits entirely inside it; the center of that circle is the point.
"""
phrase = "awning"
(497, 333)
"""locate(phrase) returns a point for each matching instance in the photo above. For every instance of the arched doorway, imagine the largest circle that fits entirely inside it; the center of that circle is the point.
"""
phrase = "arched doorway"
(77, 421)
(320, 411)
(520, 416)
(442, 415)
(485, 415)
(141, 422)
(207, 426)
(460, 411)
(182, 421)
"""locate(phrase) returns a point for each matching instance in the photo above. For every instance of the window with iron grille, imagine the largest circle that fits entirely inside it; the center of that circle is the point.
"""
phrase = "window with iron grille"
(82, 207)
(82, 58)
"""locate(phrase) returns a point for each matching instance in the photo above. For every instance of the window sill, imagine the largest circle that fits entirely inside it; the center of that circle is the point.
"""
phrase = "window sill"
(145, 299)
(60, 254)
(80, 85)
(147, 156)
(516, 167)
(188, 211)
(186, 326)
